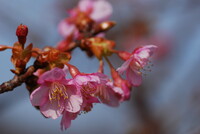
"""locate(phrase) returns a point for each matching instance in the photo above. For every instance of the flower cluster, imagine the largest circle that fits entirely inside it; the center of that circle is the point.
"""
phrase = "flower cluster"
(55, 94)
(58, 95)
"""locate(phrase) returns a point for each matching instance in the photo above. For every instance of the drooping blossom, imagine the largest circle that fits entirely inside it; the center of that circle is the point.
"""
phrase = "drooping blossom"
(96, 85)
(88, 84)
(135, 63)
(98, 10)
(108, 93)
(56, 94)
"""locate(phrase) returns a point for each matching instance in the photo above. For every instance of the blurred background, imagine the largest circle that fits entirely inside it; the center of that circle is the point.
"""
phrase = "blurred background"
(166, 103)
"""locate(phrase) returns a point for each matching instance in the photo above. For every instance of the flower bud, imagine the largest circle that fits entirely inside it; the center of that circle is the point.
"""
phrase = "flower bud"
(22, 30)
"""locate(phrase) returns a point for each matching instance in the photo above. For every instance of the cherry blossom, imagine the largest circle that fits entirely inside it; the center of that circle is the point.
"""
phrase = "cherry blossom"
(135, 63)
(99, 10)
(108, 93)
(55, 94)
(88, 84)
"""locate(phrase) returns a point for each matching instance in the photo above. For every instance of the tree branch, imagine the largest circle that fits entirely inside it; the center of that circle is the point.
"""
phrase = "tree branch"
(17, 80)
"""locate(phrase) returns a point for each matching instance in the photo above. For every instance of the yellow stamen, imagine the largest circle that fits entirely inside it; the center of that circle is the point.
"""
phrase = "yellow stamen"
(57, 92)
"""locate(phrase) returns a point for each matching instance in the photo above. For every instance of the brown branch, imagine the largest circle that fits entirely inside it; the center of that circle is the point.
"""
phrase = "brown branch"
(17, 80)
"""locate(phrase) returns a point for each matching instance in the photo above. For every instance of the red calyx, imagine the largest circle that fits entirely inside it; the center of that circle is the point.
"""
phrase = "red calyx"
(73, 70)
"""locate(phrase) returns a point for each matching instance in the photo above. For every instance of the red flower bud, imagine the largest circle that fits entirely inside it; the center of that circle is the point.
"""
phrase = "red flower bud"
(22, 30)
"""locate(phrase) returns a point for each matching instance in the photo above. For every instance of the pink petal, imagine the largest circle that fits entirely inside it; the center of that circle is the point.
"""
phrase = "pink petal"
(65, 28)
(85, 5)
(103, 77)
(110, 95)
(74, 102)
(144, 52)
(84, 79)
(52, 75)
(102, 10)
(115, 95)
(88, 102)
(134, 77)
(51, 109)
(39, 96)
(66, 69)
(125, 66)
(92, 99)
(66, 119)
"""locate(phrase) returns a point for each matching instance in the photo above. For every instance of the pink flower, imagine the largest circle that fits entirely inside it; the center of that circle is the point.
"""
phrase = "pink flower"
(135, 63)
(110, 95)
(88, 84)
(97, 85)
(98, 10)
(56, 94)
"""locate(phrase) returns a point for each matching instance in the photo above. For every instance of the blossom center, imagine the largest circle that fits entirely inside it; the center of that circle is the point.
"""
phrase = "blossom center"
(136, 65)
(57, 92)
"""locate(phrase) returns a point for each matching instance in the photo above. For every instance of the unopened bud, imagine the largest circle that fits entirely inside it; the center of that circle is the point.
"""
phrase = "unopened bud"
(22, 30)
